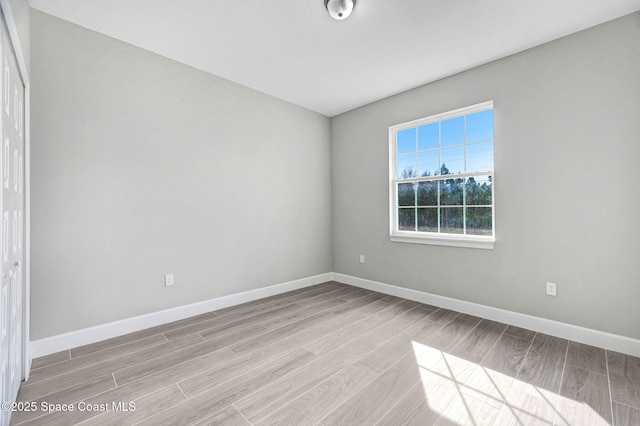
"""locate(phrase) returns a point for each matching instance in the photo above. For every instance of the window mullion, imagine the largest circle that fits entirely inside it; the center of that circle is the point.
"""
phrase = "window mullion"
(451, 176)
(415, 206)
(439, 171)
(464, 180)
(415, 188)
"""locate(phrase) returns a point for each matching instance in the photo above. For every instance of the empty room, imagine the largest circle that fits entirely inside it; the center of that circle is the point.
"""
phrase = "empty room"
(327, 212)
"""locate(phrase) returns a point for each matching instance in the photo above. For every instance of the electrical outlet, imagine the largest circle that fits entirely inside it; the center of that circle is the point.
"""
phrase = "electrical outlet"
(551, 289)
(168, 280)
(362, 258)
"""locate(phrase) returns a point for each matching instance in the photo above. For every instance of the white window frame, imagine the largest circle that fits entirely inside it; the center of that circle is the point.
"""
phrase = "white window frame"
(435, 238)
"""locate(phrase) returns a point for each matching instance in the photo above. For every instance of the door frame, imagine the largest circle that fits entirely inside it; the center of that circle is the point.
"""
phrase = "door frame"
(14, 39)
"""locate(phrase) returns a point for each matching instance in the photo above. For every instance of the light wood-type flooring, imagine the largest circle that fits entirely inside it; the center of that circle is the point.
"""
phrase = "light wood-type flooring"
(333, 354)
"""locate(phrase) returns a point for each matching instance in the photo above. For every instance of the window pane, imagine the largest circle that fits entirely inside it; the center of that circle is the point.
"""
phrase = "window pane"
(428, 193)
(428, 220)
(480, 157)
(428, 163)
(452, 132)
(406, 194)
(407, 219)
(451, 220)
(452, 160)
(480, 126)
(479, 221)
(406, 141)
(451, 192)
(479, 191)
(428, 136)
(406, 166)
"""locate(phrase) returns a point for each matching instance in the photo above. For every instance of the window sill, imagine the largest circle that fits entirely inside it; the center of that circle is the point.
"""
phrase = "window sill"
(445, 240)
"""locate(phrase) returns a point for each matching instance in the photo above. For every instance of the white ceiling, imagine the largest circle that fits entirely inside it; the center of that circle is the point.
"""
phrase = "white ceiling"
(293, 50)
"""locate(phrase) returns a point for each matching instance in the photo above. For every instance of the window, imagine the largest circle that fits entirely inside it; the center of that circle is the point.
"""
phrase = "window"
(441, 179)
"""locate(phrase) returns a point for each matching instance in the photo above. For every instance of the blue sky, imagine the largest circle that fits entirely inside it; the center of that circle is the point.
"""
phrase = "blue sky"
(426, 147)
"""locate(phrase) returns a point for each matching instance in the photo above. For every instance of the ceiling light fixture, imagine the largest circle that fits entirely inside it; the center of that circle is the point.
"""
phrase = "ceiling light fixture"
(340, 9)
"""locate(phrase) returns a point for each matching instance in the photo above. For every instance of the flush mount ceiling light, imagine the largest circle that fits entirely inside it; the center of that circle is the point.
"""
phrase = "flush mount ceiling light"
(340, 9)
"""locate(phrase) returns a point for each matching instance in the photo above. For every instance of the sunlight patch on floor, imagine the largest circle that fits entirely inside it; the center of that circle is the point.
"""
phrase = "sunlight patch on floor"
(457, 391)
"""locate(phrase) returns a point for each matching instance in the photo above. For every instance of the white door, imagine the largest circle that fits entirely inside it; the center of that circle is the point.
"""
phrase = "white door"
(12, 202)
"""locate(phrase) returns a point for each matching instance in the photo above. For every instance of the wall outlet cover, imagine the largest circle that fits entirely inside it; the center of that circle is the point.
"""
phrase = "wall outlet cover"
(168, 280)
(551, 289)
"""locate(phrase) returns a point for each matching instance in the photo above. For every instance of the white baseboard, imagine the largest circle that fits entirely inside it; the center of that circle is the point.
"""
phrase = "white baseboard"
(89, 335)
(576, 333)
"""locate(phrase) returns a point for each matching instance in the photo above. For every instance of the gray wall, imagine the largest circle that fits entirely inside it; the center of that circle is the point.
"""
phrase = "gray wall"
(142, 166)
(567, 131)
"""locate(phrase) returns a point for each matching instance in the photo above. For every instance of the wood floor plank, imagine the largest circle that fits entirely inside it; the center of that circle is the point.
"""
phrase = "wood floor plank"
(352, 330)
(464, 410)
(359, 309)
(154, 365)
(230, 416)
(521, 333)
(335, 294)
(417, 407)
(543, 365)
(297, 315)
(453, 332)
(142, 408)
(372, 402)
(172, 374)
(492, 379)
(264, 339)
(54, 358)
(407, 305)
(164, 328)
(310, 291)
(392, 300)
(97, 357)
(507, 355)
(110, 344)
(33, 390)
(356, 294)
(480, 340)
(589, 357)
(451, 367)
(231, 322)
(443, 316)
(247, 307)
(209, 403)
(586, 399)
(400, 345)
(357, 303)
(67, 396)
(322, 399)
(356, 310)
(201, 382)
(340, 320)
(623, 415)
(306, 295)
(312, 298)
(527, 404)
(624, 376)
